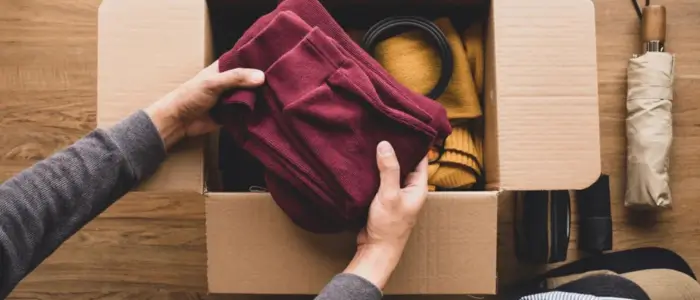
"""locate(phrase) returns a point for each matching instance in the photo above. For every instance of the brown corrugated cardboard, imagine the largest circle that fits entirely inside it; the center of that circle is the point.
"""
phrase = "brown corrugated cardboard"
(541, 133)
(145, 50)
(545, 92)
(254, 248)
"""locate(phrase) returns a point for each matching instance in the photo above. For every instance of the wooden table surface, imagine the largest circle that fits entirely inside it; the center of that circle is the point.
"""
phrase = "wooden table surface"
(152, 246)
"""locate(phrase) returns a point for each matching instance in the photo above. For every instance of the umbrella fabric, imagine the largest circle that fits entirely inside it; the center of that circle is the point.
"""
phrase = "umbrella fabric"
(649, 129)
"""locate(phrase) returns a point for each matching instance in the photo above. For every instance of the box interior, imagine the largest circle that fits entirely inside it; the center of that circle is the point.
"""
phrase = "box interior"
(457, 231)
(229, 19)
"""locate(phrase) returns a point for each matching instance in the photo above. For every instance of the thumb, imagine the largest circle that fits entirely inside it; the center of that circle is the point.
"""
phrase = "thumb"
(234, 78)
(389, 171)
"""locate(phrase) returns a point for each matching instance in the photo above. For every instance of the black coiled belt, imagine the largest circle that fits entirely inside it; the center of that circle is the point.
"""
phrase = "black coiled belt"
(394, 25)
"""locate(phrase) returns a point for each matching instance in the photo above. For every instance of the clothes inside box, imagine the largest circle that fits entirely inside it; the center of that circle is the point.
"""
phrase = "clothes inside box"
(461, 166)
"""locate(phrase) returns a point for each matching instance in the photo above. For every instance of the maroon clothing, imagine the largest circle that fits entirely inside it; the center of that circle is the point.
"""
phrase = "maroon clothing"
(316, 122)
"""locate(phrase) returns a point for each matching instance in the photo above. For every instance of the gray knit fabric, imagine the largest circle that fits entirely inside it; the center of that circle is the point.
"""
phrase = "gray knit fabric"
(349, 286)
(45, 204)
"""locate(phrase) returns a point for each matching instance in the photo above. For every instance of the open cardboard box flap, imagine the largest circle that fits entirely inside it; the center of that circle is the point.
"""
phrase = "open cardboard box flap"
(541, 97)
(542, 133)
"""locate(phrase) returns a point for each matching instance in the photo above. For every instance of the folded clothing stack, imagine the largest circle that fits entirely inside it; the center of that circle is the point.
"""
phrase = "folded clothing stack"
(316, 122)
(414, 62)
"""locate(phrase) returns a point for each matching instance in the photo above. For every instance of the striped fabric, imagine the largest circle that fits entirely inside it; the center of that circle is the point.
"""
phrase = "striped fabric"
(567, 296)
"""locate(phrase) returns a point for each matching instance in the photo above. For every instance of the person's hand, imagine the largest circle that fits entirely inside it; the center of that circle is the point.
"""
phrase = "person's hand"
(394, 210)
(185, 111)
(392, 215)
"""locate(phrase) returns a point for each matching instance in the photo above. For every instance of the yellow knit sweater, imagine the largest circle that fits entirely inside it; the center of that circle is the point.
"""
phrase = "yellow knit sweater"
(412, 60)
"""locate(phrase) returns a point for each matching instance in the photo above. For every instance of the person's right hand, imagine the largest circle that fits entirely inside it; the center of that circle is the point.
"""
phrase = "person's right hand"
(394, 210)
(185, 111)
(392, 215)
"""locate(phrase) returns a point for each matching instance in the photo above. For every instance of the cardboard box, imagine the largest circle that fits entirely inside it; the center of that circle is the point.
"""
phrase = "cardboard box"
(542, 133)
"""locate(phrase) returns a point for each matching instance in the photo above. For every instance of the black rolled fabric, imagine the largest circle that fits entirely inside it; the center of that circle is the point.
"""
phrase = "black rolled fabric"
(619, 262)
(595, 221)
(542, 226)
(560, 227)
(627, 261)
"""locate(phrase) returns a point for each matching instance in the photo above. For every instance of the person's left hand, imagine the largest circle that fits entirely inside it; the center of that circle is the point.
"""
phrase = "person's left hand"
(392, 216)
(185, 111)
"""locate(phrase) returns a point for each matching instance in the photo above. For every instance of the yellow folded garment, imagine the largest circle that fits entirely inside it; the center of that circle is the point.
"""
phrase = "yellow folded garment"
(460, 165)
(414, 62)
(473, 38)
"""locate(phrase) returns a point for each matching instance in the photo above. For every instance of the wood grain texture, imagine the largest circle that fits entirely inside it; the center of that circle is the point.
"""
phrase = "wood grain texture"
(47, 78)
(152, 245)
(145, 242)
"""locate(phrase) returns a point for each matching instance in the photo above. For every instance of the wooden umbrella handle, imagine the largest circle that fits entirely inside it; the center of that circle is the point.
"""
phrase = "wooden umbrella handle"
(654, 24)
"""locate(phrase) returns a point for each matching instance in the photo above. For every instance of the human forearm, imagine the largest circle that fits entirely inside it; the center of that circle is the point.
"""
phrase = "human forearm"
(44, 205)
(365, 276)
(381, 243)
(375, 263)
(349, 286)
(166, 122)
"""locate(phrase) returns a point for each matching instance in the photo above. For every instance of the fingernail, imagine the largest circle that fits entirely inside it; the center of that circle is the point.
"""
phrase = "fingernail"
(385, 149)
(257, 75)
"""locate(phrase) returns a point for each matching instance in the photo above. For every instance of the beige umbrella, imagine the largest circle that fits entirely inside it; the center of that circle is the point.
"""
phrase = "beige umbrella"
(649, 124)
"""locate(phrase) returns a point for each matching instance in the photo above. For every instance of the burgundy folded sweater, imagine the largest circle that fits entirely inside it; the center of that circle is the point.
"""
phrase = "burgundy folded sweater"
(316, 122)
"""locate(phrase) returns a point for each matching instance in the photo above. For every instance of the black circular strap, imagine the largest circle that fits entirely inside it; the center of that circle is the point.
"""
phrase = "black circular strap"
(394, 25)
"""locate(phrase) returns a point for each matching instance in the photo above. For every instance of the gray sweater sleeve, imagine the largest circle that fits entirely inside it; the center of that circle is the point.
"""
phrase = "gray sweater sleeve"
(349, 286)
(45, 204)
